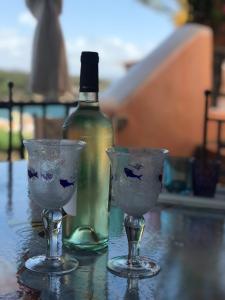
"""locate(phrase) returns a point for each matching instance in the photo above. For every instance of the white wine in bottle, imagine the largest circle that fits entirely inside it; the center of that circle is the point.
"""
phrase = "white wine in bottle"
(88, 229)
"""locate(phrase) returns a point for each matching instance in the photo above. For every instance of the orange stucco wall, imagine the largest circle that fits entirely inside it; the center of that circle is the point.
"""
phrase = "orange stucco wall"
(167, 108)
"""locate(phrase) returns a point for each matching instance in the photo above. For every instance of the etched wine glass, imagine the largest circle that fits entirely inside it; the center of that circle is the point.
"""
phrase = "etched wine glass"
(52, 180)
(136, 184)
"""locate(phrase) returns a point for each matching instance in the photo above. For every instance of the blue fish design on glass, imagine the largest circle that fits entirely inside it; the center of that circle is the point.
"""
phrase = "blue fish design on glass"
(65, 183)
(130, 173)
(47, 176)
(32, 173)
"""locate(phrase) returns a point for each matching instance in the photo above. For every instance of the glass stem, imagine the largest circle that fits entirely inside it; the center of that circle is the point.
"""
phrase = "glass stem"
(132, 284)
(134, 229)
(52, 220)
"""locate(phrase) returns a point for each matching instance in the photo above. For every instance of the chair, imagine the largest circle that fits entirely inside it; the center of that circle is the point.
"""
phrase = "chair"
(215, 114)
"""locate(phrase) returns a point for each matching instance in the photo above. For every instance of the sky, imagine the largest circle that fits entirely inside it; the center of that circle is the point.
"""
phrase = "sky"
(120, 30)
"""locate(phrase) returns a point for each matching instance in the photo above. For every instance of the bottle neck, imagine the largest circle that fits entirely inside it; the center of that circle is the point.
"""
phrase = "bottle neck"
(88, 97)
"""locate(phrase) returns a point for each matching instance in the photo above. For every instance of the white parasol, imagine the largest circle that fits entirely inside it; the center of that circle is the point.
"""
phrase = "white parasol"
(49, 75)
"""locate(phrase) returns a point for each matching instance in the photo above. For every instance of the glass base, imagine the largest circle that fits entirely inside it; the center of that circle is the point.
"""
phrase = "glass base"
(144, 268)
(41, 264)
(85, 238)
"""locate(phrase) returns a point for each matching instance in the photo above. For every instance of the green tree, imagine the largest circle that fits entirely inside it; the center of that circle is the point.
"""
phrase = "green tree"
(208, 12)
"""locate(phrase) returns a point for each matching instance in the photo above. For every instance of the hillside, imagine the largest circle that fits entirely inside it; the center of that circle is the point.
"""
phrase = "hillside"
(21, 81)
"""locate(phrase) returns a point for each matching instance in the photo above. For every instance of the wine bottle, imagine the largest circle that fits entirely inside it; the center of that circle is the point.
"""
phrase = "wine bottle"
(88, 229)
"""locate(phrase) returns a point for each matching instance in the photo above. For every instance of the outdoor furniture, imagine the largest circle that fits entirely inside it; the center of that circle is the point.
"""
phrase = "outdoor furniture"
(216, 114)
(188, 243)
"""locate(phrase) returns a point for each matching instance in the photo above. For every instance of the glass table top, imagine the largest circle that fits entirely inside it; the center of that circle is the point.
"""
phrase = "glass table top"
(188, 243)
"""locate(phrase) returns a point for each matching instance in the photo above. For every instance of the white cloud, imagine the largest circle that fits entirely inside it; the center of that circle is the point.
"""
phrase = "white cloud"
(113, 52)
(15, 50)
(26, 18)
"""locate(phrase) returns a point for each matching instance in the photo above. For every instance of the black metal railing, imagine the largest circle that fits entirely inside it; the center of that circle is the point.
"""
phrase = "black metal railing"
(10, 105)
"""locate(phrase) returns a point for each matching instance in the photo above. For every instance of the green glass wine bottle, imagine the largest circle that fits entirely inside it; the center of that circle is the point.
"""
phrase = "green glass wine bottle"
(88, 229)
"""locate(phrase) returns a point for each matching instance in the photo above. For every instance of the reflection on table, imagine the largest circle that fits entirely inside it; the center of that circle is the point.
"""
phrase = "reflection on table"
(187, 242)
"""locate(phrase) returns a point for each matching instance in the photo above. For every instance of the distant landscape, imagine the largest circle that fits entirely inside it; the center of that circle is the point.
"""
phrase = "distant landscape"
(21, 82)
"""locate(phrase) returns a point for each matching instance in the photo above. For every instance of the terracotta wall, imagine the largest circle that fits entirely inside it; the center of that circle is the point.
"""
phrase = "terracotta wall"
(166, 108)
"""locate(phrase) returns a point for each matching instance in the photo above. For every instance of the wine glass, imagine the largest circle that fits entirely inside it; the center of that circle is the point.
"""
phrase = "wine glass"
(52, 180)
(136, 184)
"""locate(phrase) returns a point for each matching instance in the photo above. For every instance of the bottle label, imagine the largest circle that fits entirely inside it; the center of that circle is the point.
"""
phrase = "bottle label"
(71, 207)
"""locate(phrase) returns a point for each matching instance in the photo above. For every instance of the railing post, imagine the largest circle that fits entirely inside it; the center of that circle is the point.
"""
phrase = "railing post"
(219, 138)
(44, 108)
(10, 86)
(21, 133)
(205, 125)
